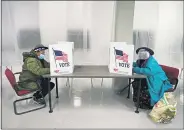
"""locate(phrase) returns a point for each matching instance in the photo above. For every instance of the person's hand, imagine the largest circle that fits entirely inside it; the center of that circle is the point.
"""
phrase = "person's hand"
(134, 64)
(135, 69)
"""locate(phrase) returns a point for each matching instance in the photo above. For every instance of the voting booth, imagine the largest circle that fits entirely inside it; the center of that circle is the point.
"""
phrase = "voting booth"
(121, 58)
(61, 58)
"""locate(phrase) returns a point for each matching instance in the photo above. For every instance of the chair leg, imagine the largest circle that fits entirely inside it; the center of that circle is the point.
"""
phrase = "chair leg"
(123, 89)
(129, 88)
(15, 108)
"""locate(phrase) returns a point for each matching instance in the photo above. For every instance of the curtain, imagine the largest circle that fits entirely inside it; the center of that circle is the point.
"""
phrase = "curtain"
(159, 25)
(86, 23)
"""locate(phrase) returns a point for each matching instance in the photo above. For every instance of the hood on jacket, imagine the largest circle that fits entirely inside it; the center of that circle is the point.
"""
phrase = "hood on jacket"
(29, 54)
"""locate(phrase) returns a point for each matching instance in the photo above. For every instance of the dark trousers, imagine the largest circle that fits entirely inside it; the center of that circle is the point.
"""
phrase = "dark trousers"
(144, 100)
(44, 89)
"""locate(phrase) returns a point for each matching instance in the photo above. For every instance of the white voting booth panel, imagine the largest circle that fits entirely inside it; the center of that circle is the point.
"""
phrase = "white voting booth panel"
(61, 58)
(121, 58)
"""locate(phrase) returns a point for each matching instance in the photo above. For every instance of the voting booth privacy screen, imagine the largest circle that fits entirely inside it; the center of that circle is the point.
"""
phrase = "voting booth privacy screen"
(61, 58)
(121, 58)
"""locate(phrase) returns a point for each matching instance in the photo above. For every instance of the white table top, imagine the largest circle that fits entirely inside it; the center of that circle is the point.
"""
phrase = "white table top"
(92, 71)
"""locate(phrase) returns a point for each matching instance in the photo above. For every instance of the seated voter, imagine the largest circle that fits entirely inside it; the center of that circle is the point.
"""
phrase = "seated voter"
(157, 82)
(33, 68)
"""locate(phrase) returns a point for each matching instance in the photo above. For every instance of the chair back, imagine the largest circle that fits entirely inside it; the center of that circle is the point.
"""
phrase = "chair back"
(172, 73)
(11, 78)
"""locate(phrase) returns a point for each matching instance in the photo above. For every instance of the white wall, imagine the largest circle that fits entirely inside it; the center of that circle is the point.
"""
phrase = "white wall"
(124, 21)
(165, 19)
(25, 14)
(53, 18)
(146, 15)
(170, 33)
(95, 16)
(8, 30)
(123, 32)
(52, 21)
(0, 65)
(16, 15)
(100, 30)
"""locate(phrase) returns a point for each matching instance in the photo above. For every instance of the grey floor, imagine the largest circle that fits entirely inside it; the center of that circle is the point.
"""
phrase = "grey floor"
(86, 107)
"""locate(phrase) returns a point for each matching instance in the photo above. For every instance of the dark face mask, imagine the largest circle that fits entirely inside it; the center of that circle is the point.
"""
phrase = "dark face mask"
(140, 62)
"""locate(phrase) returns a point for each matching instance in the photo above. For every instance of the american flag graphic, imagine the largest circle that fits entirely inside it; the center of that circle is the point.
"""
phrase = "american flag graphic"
(60, 55)
(120, 55)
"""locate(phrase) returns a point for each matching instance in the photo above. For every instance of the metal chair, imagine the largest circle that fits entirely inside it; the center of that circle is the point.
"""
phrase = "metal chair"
(11, 78)
(172, 74)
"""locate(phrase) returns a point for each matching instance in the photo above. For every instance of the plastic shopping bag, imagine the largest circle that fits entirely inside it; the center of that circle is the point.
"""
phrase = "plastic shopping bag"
(165, 109)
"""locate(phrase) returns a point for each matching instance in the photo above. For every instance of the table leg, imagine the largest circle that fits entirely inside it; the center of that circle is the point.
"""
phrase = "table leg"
(102, 82)
(102, 93)
(50, 102)
(91, 82)
(56, 88)
(129, 80)
(91, 92)
(70, 87)
(66, 82)
(71, 82)
(138, 96)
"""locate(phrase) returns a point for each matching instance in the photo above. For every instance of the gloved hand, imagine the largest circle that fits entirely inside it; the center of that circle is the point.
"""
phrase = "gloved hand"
(135, 69)
(134, 64)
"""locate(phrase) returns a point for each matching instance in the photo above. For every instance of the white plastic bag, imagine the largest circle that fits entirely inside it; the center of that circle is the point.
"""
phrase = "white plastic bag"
(165, 109)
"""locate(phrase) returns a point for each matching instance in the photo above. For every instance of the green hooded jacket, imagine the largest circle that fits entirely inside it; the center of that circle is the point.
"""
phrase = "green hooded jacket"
(32, 69)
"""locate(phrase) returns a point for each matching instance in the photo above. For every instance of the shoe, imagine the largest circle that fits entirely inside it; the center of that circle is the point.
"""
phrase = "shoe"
(40, 101)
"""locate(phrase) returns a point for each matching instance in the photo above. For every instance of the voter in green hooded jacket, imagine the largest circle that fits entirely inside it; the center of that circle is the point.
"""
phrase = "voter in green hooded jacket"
(33, 68)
